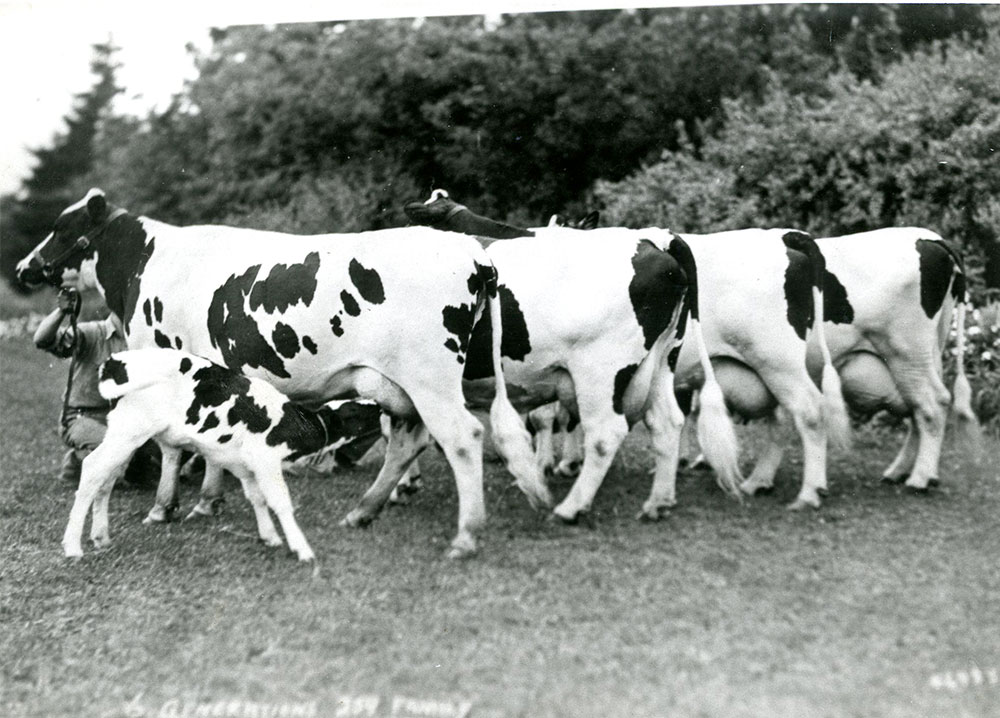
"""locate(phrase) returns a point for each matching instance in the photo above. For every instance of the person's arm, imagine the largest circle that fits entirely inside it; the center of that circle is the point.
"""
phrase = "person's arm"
(47, 335)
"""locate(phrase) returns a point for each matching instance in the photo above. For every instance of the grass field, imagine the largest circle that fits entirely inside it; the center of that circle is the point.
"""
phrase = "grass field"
(882, 603)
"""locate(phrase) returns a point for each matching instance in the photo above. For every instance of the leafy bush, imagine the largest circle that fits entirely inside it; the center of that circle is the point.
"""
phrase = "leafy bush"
(919, 148)
(982, 361)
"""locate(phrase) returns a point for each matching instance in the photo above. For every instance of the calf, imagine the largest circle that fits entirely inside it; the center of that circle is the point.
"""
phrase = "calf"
(356, 424)
(182, 401)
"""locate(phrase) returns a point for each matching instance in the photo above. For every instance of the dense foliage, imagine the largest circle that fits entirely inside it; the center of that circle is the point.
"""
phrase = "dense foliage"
(705, 117)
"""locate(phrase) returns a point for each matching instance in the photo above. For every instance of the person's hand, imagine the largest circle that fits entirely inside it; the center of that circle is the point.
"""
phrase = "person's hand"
(69, 301)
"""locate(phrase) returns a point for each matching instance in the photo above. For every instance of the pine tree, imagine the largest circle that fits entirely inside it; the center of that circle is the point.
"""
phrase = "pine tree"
(51, 186)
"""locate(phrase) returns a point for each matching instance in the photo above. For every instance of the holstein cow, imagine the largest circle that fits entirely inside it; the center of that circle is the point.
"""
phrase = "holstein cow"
(595, 319)
(182, 401)
(890, 297)
(384, 315)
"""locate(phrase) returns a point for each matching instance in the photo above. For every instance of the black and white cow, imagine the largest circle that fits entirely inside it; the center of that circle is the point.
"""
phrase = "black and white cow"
(182, 401)
(594, 319)
(384, 315)
(759, 294)
(891, 294)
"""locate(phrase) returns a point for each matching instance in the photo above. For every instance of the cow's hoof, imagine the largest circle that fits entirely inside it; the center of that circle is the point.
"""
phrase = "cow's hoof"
(920, 486)
(893, 479)
(272, 541)
(356, 519)
(73, 552)
(461, 547)
(568, 470)
(305, 555)
(824, 492)
(160, 515)
(539, 497)
(750, 488)
(804, 503)
(101, 541)
(655, 512)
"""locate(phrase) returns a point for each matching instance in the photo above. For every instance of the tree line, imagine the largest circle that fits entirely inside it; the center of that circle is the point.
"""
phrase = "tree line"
(832, 118)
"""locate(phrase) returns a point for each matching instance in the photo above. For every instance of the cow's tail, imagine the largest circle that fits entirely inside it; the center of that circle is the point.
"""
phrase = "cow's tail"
(130, 371)
(966, 424)
(835, 416)
(510, 436)
(716, 433)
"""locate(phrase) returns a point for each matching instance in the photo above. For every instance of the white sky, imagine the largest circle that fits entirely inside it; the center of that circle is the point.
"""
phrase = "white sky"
(45, 50)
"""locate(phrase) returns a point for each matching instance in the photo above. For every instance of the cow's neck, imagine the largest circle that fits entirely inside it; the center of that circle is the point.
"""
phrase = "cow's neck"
(122, 254)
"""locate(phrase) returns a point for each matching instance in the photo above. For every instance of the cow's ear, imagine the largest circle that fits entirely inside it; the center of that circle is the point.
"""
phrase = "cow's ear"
(97, 206)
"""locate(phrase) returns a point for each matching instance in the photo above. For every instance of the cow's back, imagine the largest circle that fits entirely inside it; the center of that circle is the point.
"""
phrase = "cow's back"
(296, 309)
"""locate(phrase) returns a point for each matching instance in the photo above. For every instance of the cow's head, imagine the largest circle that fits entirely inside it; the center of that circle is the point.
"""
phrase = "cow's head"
(69, 248)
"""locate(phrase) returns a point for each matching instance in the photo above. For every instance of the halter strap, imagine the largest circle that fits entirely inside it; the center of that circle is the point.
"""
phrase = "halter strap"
(82, 243)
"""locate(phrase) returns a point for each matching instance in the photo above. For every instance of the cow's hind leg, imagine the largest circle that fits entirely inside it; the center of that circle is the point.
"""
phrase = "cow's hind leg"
(604, 429)
(902, 465)
(927, 394)
(101, 469)
(665, 422)
(166, 492)
(768, 460)
(407, 438)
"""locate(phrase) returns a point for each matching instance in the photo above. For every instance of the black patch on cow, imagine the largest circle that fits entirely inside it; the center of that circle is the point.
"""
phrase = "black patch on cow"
(214, 386)
(936, 269)
(185, 365)
(122, 254)
(158, 309)
(573, 422)
(178, 343)
(658, 285)
(235, 333)
(286, 341)
(685, 399)
(211, 421)
(622, 379)
(350, 303)
(248, 412)
(798, 291)
(458, 321)
(515, 342)
(147, 311)
(367, 281)
(286, 285)
(114, 370)
(673, 356)
(162, 340)
(336, 327)
(225, 438)
(309, 344)
(484, 278)
(680, 251)
(305, 432)
(836, 306)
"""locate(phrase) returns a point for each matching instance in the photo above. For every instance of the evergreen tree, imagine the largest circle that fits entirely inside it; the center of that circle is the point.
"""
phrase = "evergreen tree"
(53, 182)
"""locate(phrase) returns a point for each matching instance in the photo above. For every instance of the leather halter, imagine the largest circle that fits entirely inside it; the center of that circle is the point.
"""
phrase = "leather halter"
(80, 245)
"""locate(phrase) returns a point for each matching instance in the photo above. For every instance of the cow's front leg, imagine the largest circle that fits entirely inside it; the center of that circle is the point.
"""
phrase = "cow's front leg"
(166, 492)
(407, 438)
(212, 494)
